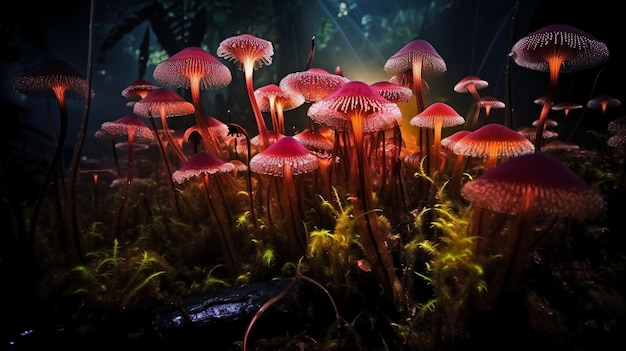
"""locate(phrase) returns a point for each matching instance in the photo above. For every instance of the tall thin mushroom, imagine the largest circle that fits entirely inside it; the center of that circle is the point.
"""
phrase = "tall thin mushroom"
(196, 69)
(207, 167)
(556, 49)
(251, 53)
(525, 187)
(58, 80)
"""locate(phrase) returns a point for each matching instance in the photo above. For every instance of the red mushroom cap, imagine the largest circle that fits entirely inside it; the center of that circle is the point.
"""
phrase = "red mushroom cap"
(577, 49)
(284, 151)
(535, 182)
(393, 92)
(355, 97)
(314, 84)
(138, 89)
(47, 76)
(463, 86)
(124, 124)
(174, 104)
(177, 70)
(493, 139)
(433, 65)
(266, 93)
(437, 111)
(200, 163)
(245, 47)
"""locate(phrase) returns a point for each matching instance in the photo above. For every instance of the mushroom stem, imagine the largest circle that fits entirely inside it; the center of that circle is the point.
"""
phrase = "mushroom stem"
(168, 134)
(234, 128)
(248, 66)
(129, 181)
(226, 240)
(166, 161)
(542, 123)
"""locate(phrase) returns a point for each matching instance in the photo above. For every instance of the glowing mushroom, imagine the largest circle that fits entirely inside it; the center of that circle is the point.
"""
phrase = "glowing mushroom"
(58, 80)
(286, 158)
(208, 168)
(557, 49)
(251, 53)
(421, 59)
(164, 103)
(133, 127)
(352, 110)
(437, 116)
(603, 102)
(196, 69)
(314, 83)
(393, 92)
(526, 187)
(273, 99)
(488, 103)
(471, 85)
(138, 90)
(493, 141)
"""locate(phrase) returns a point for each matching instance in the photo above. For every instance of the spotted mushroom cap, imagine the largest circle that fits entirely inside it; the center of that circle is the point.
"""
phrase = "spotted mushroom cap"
(314, 140)
(174, 104)
(433, 66)
(177, 70)
(449, 141)
(603, 102)
(463, 86)
(314, 84)
(200, 163)
(244, 47)
(289, 101)
(537, 183)
(580, 49)
(437, 111)
(491, 101)
(124, 124)
(617, 140)
(393, 92)
(47, 76)
(335, 110)
(138, 89)
(285, 151)
(493, 138)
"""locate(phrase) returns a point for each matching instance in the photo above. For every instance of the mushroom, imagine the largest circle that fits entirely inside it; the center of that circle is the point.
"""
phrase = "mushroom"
(449, 143)
(566, 107)
(488, 103)
(421, 59)
(437, 116)
(526, 187)
(471, 84)
(286, 158)
(164, 103)
(493, 141)
(393, 92)
(215, 128)
(418, 60)
(133, 127)
(251, 53)
(137, 90)
(314, 84)
(353, 109)
(208, 168)
(196, 69)
(273, 99)
(559, 48)
(556, 49)
(603, 102)
(58, 80)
